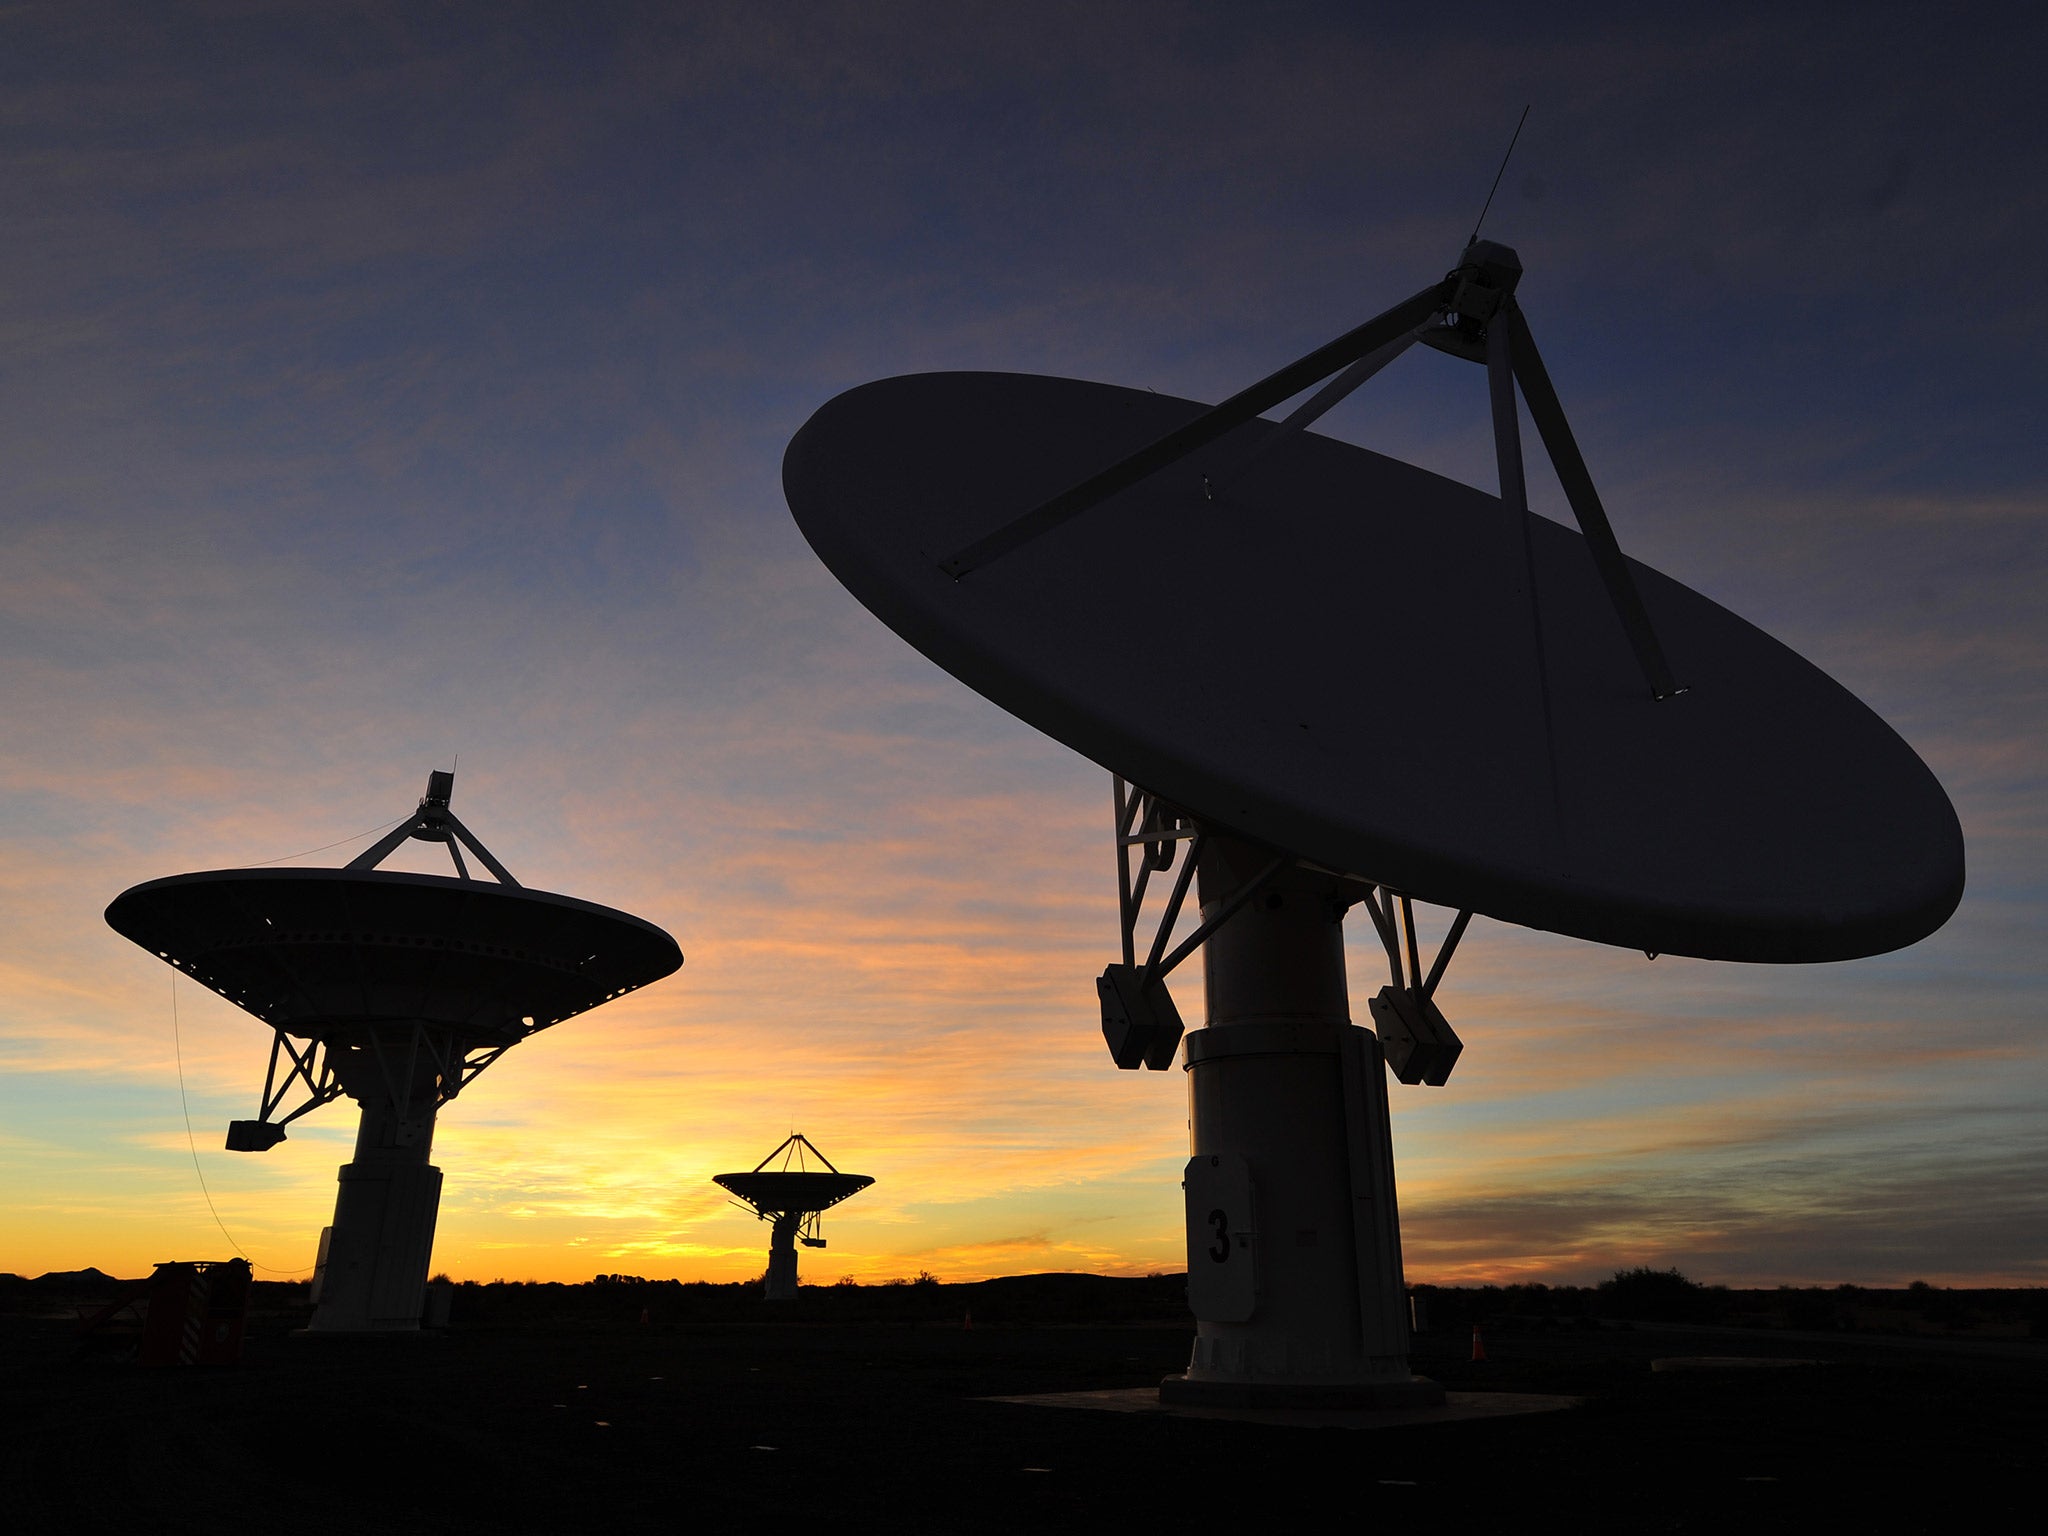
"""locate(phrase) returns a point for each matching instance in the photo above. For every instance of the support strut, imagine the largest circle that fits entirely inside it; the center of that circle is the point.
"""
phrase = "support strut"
(1240, 408)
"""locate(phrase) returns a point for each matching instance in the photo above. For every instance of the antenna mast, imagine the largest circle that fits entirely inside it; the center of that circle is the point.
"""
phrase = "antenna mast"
(1499, 173)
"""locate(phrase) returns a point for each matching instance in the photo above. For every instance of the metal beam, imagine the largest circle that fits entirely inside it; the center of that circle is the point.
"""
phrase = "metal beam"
(1501, 346)
(380, 850)
(1323, 401)
(1172, 913)
(1585, 502)
(456, 827)
(1444, 952)
(1226, 910)
(1127, 912)
(1203, 430)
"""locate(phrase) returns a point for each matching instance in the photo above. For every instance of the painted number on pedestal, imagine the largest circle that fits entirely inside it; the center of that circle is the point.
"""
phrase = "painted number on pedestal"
(1222, 1237)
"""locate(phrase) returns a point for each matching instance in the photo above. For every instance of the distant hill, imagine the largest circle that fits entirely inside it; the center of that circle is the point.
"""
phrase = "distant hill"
(74, 1279)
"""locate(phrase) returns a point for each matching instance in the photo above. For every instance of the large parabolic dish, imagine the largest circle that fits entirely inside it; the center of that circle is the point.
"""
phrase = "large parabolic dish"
(792, 1194)
(1331, 657)
(306, 950)
(1325, 679)
(396, 990)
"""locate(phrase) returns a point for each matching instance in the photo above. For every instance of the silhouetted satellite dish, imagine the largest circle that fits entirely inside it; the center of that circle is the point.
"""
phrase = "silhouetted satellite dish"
(791, 1200)
(1326, 678)
(397, 990)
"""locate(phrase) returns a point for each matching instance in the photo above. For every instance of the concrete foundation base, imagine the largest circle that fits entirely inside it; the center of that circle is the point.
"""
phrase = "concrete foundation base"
(1455, 1406)
(1414, 1392)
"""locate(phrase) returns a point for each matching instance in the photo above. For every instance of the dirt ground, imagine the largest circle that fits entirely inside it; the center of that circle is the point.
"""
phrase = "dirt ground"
(622, 1426)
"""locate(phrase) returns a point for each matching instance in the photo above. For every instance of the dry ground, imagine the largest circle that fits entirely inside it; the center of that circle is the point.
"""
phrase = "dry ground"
(611, 1425)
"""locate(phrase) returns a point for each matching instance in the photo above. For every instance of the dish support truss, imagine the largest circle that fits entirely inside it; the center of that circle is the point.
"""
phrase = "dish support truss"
(434, 822)
(1140, 1023)
(412, 1069)
(794, 1147)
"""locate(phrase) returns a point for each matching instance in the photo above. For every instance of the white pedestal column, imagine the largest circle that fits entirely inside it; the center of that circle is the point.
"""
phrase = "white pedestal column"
(373, 1274)
(1294, 1242)
(781, 1284)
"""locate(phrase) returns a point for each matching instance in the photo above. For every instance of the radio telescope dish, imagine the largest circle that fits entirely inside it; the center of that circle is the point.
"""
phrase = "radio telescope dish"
(396, 990)
(1325, 679)
(791, 1200)
(1332, 655)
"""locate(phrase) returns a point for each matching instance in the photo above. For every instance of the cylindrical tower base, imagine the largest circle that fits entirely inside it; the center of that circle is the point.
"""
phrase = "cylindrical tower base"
(372, 1275)
(1294, 1244)
(781, 1282)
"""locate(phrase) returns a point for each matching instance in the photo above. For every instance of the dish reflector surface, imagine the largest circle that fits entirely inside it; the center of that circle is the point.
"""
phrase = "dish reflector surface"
(307, 950)
(793, 1192)
(1333, 657)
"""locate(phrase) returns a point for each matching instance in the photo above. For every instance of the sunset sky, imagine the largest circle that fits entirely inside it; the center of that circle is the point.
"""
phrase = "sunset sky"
(381, 383)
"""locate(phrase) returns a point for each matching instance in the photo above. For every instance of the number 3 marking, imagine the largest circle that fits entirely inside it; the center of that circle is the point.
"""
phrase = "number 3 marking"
(1221, 1251)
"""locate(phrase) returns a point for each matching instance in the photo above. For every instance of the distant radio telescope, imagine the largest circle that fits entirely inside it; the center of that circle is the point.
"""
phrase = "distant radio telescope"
(396, 990)
(791, 1200)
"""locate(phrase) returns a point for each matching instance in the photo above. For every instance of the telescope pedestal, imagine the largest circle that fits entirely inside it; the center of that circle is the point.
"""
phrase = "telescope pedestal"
(1294, 1242)
(781, 1283)
(372, 1274)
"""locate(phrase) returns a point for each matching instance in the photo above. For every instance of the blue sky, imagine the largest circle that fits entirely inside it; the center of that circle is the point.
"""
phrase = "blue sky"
(384, 383)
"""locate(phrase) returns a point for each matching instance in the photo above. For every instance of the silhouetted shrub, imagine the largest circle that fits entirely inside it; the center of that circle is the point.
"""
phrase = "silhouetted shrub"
(1659, 1295)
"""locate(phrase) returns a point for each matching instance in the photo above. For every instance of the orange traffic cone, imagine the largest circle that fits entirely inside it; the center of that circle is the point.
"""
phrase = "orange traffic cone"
(1478, 1344)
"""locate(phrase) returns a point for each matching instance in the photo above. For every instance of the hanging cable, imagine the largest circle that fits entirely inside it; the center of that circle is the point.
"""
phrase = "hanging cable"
(358, 837)
(192, 1146)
